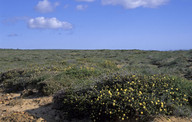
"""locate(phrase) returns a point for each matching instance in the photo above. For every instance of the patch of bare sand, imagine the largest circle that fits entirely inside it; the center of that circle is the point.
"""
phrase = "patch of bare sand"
(15, 108)
(172, 119)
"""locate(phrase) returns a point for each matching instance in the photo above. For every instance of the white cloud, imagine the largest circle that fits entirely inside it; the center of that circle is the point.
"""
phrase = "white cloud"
(81, 7)
(48, 23)
(85, 0)
(130, 4)
(45, 6)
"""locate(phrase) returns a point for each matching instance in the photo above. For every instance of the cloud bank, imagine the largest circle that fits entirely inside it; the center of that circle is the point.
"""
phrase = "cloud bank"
(48, 23)
(45, 6)
(131, 4)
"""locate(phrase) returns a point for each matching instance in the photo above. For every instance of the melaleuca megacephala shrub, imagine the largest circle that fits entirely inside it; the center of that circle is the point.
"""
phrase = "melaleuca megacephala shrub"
(123, 97)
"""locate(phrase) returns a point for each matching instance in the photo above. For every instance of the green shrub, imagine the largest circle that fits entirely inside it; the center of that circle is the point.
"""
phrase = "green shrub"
(18, 80)
(120, 97)
(108, 64)
(81, 72)
(49, 87)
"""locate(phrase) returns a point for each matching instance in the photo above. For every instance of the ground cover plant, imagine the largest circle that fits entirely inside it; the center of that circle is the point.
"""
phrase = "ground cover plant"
(120, 97)
(113, 84)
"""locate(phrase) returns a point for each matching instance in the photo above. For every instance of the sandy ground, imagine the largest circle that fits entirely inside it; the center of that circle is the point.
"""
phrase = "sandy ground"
(14, 108)
(18, 109)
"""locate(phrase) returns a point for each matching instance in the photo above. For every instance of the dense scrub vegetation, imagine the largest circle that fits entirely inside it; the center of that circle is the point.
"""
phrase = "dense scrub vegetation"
(110, 84)
(123, 96)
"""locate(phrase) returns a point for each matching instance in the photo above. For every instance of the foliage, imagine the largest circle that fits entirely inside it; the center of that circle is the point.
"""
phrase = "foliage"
(123, 97)
(75, 72)
(17, 80)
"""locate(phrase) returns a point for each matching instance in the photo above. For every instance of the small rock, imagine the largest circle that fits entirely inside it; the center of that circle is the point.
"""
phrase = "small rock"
(40, 120)
(31, 117)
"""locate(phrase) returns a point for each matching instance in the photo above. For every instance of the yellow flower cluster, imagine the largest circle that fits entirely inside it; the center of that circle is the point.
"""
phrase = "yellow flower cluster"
(131, 95)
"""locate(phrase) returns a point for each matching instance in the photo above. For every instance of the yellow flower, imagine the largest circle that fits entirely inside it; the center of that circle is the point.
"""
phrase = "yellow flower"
(140, 92)
(109, 92)
(123, 114)
(123, 118)
(113, 104)
(140, 103)
(185, 99)
(161, 105)
(142, 112)
(117, 93)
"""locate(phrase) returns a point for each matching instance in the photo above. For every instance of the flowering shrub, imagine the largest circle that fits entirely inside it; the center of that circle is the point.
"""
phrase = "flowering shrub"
(119, 97)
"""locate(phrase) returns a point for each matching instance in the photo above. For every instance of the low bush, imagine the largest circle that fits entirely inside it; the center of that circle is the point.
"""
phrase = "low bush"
(81, 72)
(18, 80)
(120, 97)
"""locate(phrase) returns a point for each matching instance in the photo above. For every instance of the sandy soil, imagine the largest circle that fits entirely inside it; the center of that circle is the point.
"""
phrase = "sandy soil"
(15, 108)
(18, 109)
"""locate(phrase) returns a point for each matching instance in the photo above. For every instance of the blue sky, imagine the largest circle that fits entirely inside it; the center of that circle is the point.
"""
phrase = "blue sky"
(96, 24)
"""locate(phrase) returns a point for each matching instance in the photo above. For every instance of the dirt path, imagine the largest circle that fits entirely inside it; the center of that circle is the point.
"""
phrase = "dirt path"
(39, 109)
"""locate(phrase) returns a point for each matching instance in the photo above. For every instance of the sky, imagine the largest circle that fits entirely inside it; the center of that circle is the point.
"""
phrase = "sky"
(96, 24)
